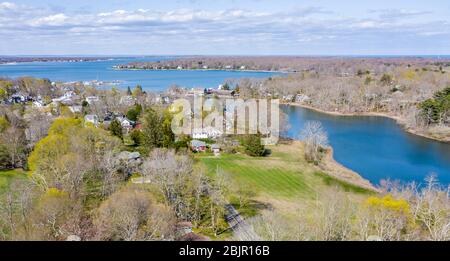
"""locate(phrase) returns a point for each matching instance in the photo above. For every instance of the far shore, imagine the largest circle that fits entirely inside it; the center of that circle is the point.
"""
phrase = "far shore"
(224, 70)
(400, 121)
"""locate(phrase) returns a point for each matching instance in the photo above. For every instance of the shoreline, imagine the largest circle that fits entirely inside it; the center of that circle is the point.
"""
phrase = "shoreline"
(336, 170)
(224, 70)
(400, 121)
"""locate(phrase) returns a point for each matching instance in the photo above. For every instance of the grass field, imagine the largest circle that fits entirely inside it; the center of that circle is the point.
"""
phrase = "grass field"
(284, 177)
(7, 176)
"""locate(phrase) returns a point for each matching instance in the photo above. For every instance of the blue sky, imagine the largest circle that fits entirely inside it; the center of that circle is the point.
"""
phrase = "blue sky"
(226, 27)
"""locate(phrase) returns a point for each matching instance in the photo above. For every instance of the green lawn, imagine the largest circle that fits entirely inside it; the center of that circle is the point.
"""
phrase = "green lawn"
(7, 176)
(260, 174)
(284, 174)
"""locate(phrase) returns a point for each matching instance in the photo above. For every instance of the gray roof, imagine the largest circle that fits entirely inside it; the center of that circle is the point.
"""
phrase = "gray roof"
(215, 146)
(198, 143)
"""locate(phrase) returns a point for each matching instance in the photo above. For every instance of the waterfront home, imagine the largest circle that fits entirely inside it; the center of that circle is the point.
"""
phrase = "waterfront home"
(221, 93)
(196, 92)
(198, 146)
(302, 98)
(288, 98)
(91, 118)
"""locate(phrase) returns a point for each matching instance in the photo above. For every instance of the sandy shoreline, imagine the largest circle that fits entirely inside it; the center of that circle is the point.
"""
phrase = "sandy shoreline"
(340, 172)
(400, 121)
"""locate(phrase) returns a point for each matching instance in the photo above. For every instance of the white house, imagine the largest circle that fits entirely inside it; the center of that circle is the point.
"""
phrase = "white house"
(92, 99)
(76, 108)
(302, 98)
(38, 104)
(67, 97)
(125, 123)
(206, 133)
(92, 118)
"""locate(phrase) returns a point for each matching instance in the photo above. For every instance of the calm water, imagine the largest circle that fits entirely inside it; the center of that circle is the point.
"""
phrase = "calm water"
(376, 147)
(102, 71)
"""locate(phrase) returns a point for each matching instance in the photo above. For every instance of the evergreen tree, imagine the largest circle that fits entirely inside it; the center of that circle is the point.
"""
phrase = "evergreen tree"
(138, 91)
(116, 129)
(253, 145)
(152, 133)
(129, 91)
(133, 113)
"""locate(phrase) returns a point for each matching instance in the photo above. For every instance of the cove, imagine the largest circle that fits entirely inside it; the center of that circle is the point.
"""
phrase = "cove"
(377, 147)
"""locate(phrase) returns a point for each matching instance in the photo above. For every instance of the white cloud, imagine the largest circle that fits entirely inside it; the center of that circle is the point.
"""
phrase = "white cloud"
(235, 27)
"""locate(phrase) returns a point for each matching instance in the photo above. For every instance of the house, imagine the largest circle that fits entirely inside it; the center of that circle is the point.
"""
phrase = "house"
(19, 98)
(198, 146)
(129, 156)
(184, 232)
(92, 118)
(129, 161)
(288, 98)
(125, 123)
(220, 92)
(127, 100)
(163, 99)
(302, 98)
(196, 92)
(38, 104)
(76, 108)
(92, 99)
(66, 98)
(215, 148)
(206, 133)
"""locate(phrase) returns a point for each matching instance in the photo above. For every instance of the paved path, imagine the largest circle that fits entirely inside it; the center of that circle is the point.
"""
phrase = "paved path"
(241, 229)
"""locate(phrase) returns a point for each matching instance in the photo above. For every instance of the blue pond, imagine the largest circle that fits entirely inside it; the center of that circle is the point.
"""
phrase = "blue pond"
(377, 147)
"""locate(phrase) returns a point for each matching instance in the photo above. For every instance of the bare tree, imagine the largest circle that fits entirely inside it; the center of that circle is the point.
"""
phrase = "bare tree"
(315, 139)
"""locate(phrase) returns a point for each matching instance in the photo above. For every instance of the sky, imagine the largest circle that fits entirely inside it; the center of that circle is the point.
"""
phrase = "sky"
(225, 27)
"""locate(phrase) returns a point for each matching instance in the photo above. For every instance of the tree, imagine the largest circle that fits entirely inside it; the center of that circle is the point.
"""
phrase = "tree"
(437, 109)
(134, 112)
(315, 139)
(137, 92)
(136, 137)
(156, 129)
(253, 145)
(129, 91)
(4, 157)
(168, 135)
(116, 129)
(152, 132)
(133, 214)
(386, 79)
(69, 152)
(14, 141)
